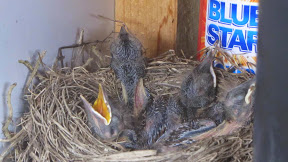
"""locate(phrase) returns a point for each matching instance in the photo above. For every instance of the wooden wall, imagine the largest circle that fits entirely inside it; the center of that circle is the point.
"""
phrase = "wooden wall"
(154, 22)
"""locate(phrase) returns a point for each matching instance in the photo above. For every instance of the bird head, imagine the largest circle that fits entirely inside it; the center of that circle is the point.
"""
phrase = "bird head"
(207, 62)
(199, 87)
(238, 107)
(123, 34)
(239, 101)
(104, 122)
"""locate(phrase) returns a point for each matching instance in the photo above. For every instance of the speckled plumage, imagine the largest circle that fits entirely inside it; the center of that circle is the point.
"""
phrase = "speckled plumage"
(181, 134)
(127, 61)
(176, 112)
(129, 74)
(156, 118)
(238, 110)
(216, 113)
(126, 47)
(198, 88)
(239, 102)
(161, 115)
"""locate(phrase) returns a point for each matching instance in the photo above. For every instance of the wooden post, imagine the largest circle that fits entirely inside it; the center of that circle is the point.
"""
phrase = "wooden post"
(187, 28)
(271, 109)
(154, 22)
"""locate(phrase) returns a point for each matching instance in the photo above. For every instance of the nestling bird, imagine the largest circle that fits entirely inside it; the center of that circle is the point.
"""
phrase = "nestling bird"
(169, 113)
(199, 87)
(104, 118)
(128, 63)
(166, 122)
(230, 115)
(238, 110)
(153, 117)
(109, 119)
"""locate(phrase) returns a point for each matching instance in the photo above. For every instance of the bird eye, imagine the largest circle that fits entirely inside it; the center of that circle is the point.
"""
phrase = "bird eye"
(112, 131)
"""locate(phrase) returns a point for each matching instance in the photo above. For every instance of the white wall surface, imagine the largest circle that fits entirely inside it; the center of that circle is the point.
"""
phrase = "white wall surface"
(27, 26)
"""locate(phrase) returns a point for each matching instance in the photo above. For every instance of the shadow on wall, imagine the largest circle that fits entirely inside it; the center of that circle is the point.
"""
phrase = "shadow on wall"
(43, 25)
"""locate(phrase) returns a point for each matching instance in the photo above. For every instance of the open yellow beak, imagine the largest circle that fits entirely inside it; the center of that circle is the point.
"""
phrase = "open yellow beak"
(101, 108)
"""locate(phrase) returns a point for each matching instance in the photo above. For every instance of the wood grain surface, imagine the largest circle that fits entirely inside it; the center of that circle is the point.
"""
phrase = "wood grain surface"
(153, 22)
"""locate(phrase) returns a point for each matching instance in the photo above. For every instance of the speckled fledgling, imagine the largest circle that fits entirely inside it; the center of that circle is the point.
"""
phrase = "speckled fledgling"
(104, 116)
(239, 102)
(166, 122)
(199, 87)
(127, 62)
(238, 110)
(159, 115)
(166, 116)
(230, 115)
(108, 119)
(237, 105)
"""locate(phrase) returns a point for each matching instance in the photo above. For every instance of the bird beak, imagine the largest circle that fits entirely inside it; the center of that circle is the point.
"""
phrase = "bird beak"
(124, 93)
(211, 56)
(208, 61)
(249, 94)
(123, 34)
(123, 30)
(101, 110)
(141, 98)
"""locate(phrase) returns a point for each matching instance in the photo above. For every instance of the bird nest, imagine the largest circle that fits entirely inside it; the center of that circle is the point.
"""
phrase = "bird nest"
(55, 127)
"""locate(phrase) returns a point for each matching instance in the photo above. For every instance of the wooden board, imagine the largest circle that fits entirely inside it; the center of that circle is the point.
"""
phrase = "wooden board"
(187, 30)
(154, 22)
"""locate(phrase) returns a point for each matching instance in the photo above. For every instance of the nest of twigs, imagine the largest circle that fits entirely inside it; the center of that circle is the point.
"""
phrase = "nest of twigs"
(55, 127)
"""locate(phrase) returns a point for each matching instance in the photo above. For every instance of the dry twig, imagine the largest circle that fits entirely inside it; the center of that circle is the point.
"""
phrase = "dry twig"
(10, 112)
